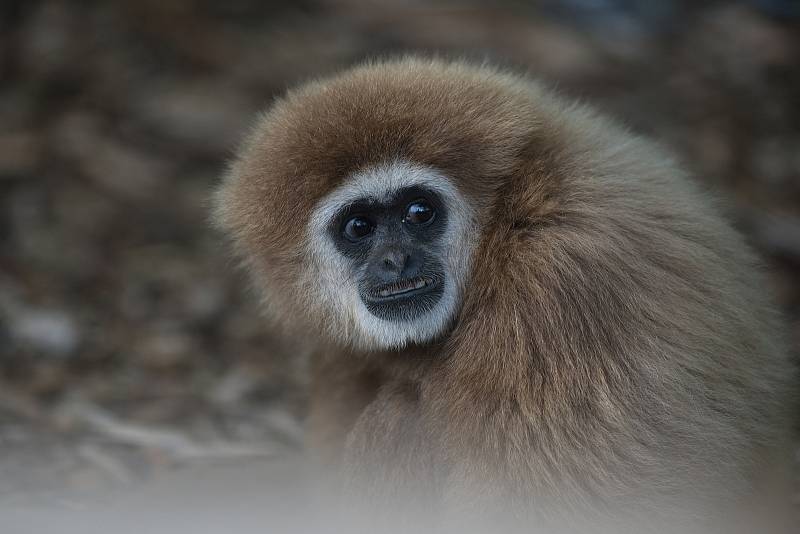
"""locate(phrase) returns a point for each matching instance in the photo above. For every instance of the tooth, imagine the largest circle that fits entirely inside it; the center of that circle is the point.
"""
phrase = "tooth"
(403, 286)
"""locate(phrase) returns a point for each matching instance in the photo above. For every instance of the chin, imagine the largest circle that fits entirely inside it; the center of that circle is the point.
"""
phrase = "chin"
(418, 317)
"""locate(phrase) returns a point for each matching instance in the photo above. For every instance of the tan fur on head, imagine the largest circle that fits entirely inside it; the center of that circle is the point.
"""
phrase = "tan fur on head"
(609, 344)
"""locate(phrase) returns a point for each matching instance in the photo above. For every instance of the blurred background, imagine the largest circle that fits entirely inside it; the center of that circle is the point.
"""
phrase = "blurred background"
(129, 344)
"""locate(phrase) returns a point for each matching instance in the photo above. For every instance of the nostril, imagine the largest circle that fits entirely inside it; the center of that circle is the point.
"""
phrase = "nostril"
(390, 265)
(395, 261)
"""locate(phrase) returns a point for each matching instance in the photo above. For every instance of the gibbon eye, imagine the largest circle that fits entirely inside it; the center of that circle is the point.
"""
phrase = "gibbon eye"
(419, 212)
(357, 228)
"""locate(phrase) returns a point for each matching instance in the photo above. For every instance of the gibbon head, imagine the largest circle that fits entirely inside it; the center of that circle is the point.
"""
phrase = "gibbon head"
(357, 201)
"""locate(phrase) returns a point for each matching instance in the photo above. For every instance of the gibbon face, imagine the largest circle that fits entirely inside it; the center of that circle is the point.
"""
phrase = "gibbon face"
(393, 245)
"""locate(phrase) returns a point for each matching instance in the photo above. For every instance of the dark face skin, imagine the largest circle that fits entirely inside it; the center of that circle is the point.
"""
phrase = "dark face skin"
(395, 250)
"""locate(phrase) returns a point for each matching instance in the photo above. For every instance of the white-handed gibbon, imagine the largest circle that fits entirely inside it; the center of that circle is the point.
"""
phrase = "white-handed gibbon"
(519, 309)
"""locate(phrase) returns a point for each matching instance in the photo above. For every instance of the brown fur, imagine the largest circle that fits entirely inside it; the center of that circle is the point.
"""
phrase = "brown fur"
(614, 346)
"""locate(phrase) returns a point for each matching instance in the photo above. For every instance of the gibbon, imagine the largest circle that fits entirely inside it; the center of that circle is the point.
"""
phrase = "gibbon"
(519, 310)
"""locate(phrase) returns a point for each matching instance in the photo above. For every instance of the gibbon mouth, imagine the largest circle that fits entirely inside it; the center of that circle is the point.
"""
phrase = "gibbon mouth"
(402, 289)
(406, 299)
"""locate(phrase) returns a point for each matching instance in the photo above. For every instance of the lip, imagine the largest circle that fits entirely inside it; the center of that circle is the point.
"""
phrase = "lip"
(402, 289)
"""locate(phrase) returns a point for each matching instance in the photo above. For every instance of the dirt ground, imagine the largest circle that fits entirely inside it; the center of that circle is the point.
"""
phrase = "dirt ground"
(129, 344)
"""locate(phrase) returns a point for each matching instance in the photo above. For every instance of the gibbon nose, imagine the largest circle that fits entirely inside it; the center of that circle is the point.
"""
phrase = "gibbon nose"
(395, 264)
(393, 261)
